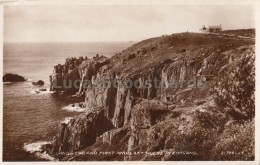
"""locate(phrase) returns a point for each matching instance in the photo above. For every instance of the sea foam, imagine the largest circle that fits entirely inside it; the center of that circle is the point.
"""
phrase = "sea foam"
(35, 148)
(8, 83)
(29, 80)
(67, 120)
(37, 91)
(74, 108)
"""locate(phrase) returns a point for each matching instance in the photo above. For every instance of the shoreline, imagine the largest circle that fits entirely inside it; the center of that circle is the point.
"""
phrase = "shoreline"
(158, 119)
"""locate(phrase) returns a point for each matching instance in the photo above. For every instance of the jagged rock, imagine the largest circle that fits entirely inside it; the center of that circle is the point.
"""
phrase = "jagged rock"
(115, 136)
(118, 119)
(148, 113)
(64, 77)
(13, 78)
(105, 97)
(145, 115)
(153, 85)
(129, 102)
(80, 131)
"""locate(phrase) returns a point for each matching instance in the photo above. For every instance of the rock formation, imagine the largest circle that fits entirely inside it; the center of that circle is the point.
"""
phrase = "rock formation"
(80, 132)
(155, 96)
(71, 76)
(13, 78)
(39, 83)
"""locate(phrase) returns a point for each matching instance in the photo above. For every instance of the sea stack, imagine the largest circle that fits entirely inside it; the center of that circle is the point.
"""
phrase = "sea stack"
(9, 77)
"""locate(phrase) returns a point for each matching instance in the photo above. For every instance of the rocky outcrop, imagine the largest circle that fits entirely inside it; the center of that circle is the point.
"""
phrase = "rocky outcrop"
(66, 77)
(38, 83)
(148, 113)
(180, 74)
(75, 75)
(80, 132)
(144, 115)
(114, 136)
(13, 78)
(235, 88)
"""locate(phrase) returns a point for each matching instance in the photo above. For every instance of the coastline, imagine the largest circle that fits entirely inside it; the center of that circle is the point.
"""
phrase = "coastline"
(25, 103)
(130, 115)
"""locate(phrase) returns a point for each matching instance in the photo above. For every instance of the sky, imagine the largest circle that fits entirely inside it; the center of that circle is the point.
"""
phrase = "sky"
(78, 23)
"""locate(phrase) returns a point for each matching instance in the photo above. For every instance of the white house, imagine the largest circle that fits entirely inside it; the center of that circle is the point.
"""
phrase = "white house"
(211, 29)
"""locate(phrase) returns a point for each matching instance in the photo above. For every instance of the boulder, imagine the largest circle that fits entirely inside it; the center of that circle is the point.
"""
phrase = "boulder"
(39, 82)
(148, 113)
(9, 77)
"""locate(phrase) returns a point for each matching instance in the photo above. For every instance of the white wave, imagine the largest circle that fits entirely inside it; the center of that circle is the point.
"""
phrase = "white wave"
(46, 92)
(67, 120)
(44, 155)
(29, 80)
(8, 83)
(38, 91)
(73, 108)
(35, 148)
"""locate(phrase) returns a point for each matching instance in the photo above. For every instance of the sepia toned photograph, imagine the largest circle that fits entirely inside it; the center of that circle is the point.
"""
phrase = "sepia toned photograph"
(128, 82)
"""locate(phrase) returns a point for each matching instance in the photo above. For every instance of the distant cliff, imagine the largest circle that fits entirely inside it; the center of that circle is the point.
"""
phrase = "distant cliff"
(157, 96)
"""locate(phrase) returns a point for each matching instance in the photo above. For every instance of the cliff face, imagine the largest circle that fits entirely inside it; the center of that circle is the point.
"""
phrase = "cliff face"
(80, 132)
(72, 76)
(154, 96)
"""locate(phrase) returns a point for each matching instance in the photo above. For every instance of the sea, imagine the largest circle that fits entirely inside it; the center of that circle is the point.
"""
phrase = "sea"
(30, 117)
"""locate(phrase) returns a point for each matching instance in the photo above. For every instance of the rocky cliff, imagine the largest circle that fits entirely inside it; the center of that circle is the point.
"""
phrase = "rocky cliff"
(154, 97)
